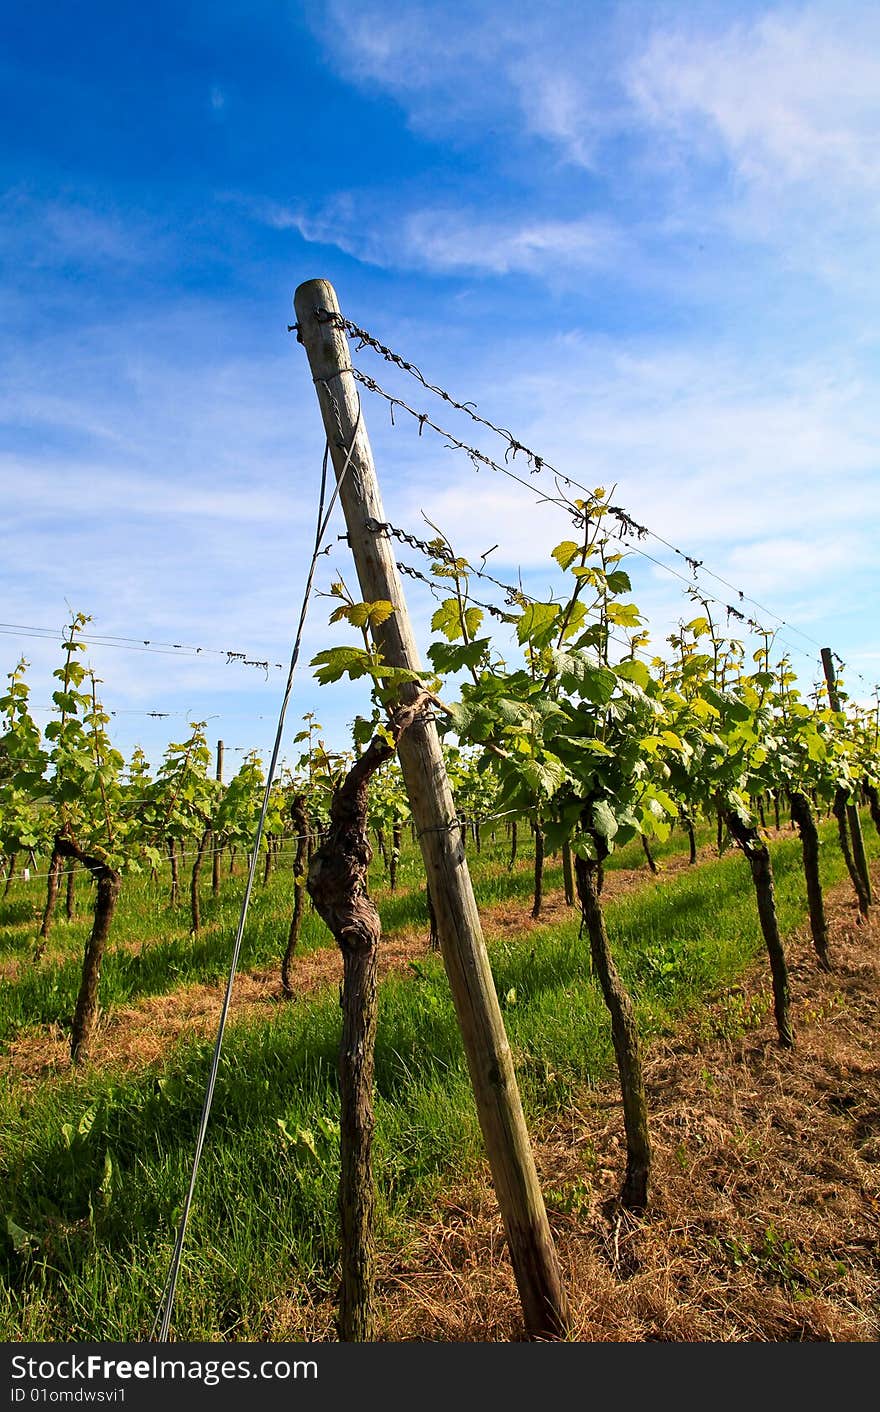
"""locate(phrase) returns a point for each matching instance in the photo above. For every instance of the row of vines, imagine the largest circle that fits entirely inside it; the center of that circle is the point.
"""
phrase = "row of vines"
(569, 728)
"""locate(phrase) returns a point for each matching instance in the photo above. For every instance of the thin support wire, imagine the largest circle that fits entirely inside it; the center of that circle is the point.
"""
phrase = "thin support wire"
(167, 1301)
(535, 462)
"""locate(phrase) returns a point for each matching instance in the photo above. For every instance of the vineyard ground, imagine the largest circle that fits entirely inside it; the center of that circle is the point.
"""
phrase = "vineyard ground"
(765, 1220)
(766, 1212)
(138, 1034)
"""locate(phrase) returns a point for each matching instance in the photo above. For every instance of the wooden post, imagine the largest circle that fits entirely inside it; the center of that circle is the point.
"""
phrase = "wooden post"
(533, 1253)
(215, 868)
(852, 808)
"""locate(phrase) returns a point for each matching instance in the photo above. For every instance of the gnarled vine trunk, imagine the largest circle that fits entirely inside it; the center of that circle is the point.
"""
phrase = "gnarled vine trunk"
(300, 820)
(70, 897)
(567, 875)
(195, 907)
(539, 870)
(649, 857)
(858, 844)
(337, 885)
(433, 933)
(108, 883)
(383, 851)
(802, 814)
(873, 803)
(175, 876)
(758, 856)
(625, 1037)
(394, 858)
(514, 840)
(841, 814)
(53, 883)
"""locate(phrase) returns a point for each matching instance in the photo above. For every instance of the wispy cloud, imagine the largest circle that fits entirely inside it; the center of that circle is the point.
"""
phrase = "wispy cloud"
(699, 182)
(444, 240)
(768, 474)
(466, 241)
(63, 230)
(792, 97)
(764, 125)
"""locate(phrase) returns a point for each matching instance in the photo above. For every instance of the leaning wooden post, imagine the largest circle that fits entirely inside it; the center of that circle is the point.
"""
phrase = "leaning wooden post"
(215, 870)
(852, 809)
(533, 1253)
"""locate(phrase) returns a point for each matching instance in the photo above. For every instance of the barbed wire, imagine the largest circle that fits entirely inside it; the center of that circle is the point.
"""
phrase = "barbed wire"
(183, 856)
(515, 594)
(165, 715)
(130, 644)
(500, 614)
(628, 527)
(537, 463)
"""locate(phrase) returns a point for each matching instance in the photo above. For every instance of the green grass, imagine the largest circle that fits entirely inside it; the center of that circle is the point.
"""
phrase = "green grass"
(152, 950)
(95, 1163)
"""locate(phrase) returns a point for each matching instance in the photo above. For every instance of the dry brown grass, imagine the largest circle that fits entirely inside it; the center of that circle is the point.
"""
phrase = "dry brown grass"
(765, 1217)
(140, 1034)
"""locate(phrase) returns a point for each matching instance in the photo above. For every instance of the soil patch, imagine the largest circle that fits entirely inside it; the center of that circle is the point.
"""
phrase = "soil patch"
(141, 1033)
(765, 1219)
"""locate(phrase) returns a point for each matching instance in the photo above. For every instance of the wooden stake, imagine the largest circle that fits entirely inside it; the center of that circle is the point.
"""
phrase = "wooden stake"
(532, 1250)
(852, 808)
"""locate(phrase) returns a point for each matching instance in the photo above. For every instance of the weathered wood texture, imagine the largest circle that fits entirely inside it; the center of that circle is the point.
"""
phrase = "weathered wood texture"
(490, 1063)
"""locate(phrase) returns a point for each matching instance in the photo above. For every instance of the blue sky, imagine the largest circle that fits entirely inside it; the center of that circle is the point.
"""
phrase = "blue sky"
(644, 236)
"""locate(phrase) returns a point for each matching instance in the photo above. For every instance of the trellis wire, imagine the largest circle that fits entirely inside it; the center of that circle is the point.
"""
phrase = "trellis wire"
(323, 519)
(629, 525)
(537, 462)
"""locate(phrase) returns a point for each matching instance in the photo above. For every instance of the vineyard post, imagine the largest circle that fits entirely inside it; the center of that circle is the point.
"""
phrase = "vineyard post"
(533, 1253)
(215, 869)
(852, 809)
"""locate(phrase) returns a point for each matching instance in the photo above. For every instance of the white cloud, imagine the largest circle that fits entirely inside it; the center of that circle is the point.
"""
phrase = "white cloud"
(791, 93)
(760, 129)
(456, 241)
(469, 71)
(461, 241)
(63, 231)
(768, 473)
(562, 108)
(416, 51)
(793, 97)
